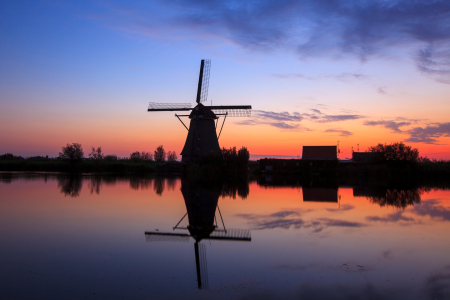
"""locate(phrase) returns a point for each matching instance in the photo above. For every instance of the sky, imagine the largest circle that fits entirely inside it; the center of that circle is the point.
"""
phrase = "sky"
(315, 73)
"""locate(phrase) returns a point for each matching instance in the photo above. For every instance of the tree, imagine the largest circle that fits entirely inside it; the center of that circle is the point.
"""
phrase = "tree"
(243, 155)
(396, 152)
(96, 153)
(171, 156)
(146, 156)
(160, 154)
(135, 156)
(72, 152)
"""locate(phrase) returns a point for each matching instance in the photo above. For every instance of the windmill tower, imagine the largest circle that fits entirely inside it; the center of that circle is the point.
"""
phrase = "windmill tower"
(202, 138)
(201, 205)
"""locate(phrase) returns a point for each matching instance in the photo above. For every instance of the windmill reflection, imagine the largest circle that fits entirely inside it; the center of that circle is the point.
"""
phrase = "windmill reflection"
(202, 210)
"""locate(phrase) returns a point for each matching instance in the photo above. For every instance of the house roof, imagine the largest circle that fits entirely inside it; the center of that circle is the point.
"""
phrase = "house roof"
(319, 152)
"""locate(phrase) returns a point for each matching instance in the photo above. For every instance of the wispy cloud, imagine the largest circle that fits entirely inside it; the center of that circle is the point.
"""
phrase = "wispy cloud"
(286, 120)
(394, 126)
(341, 77)
(340, 131)
(394, 217)
(288, 219)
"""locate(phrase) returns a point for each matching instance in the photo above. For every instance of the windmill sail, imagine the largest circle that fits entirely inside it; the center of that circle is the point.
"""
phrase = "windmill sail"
(203, 81)
(154, 106)
(166, 237)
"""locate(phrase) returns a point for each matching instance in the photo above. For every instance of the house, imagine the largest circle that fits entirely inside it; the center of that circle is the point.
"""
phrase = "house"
(319, 153)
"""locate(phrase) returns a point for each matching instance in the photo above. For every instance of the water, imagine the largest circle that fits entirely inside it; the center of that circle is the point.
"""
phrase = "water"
(112, 238)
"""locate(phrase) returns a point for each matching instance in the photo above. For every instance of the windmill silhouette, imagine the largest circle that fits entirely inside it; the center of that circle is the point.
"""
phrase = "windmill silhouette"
(201, 204)
(202, 138)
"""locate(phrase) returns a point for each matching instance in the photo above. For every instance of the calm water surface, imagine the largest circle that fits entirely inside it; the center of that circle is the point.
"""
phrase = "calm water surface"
(167, 238)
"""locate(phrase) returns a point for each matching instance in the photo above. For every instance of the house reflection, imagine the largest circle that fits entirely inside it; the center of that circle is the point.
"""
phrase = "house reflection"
(203, 212)
(311, 194)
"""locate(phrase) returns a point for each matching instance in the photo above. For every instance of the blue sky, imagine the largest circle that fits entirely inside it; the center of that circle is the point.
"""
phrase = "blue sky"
(315, 72)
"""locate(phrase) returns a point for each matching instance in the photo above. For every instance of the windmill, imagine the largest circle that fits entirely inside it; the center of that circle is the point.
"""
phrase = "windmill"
(202, 138)
(201, 206)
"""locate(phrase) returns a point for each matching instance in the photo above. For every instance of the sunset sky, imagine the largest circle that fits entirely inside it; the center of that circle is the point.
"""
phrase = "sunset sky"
(315, 72)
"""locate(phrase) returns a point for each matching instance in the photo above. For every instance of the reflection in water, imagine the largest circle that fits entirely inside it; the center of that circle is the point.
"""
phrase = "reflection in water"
(201, 205)
(320, 194)
(399, 198)
(159, 185)
(70, 185)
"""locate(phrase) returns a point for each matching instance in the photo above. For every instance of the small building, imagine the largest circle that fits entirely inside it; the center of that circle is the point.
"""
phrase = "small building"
(319, 153)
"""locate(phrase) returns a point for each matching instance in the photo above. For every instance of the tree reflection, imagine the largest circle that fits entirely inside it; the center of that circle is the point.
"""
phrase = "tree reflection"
(399, 198)
(139, 183)
(96, 183)
(70, 185)
(159, 185)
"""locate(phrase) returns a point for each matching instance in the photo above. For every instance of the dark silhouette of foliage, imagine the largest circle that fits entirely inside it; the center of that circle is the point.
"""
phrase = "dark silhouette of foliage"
(159, 185)
(72, 152)
(135, 156)
(96, 154)
(399, 198)
(70, 185)
(110, 157)
(146, 156)
(10, 156)
(243, 155)
(160, 154)
(171, 156)
(236, 158)
(143, 156)
(396, 152)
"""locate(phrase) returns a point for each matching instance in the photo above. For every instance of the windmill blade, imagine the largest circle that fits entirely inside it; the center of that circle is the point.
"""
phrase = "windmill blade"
(232, 110)
(242, 235)
(155, 236)
(203, 81)
(154, 106)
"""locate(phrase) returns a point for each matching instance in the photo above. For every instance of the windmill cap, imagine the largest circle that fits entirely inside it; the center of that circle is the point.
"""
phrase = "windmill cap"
(202, 112)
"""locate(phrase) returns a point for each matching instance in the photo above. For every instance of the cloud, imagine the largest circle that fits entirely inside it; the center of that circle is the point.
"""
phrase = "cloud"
(429, 134)
(286, 120)
(283, 120)
(338, 118)
(344, 207)
(394, 126)
(288, 219)
(341, 77)
(382, 90)
(341, 132)
(432, 209)
(395, 217)
(434, 61)
(307, 28)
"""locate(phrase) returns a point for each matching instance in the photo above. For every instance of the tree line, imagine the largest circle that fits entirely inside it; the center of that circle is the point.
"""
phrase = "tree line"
(74, 152)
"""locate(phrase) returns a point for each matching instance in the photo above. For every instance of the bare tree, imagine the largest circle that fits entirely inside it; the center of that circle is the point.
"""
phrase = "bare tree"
(96, 153)
(160, 154)
(171, 156)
